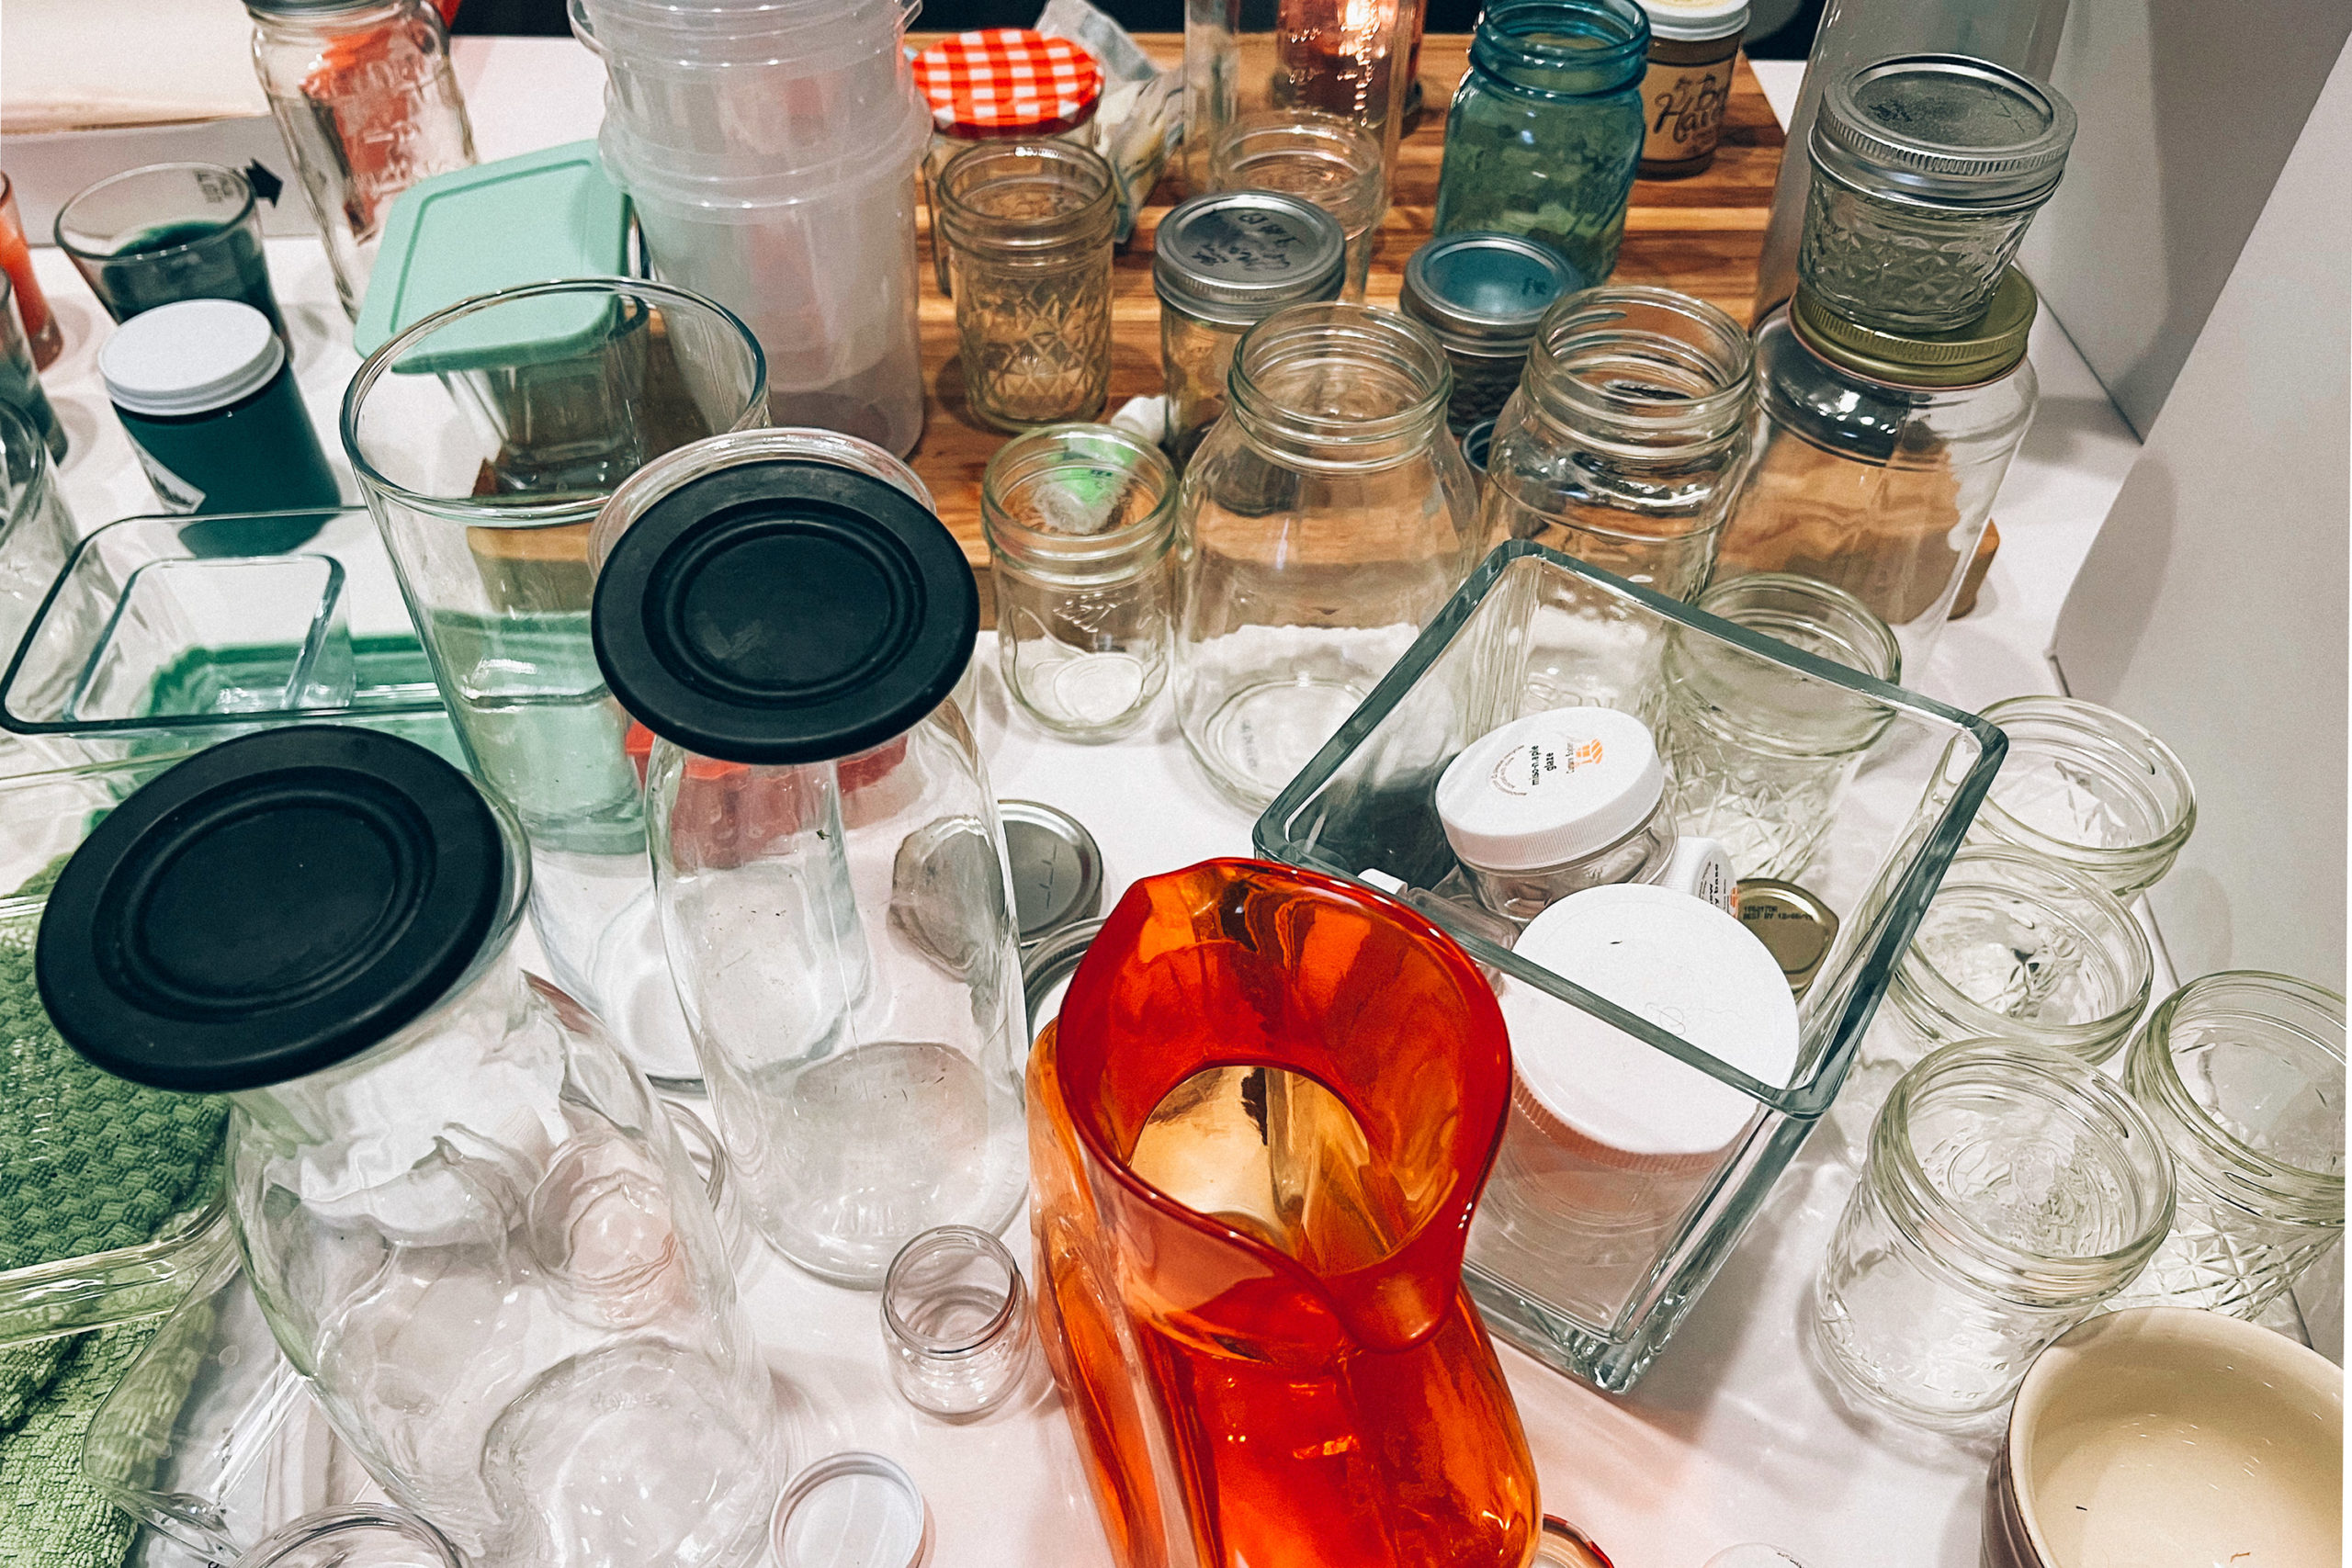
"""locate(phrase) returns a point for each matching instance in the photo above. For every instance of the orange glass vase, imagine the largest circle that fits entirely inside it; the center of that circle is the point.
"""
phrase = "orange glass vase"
(1256, 1133)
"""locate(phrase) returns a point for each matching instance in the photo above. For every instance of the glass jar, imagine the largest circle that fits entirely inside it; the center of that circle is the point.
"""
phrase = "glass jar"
(828, 861)
(1001, 84)
(1482, 296)
(365, 95)
(1545, 130)
(1221, 263)
(2009, 1190)
(1079, 518)
(1333, 162)
(468, 1222)
(1626, 443)
(1325, 518)
(2243, 1074)
(20, 388)
(1259, 62)
(1028, 226)
(956, 1321)
(1694, 51)
(36, 531)
(369, 1536)
(1760, 759)
(1877, 457)
(2089, 788)
(1926, 170)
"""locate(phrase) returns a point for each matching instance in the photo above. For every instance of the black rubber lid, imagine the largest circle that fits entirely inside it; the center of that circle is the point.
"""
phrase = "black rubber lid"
(269, 907)
(784, 612)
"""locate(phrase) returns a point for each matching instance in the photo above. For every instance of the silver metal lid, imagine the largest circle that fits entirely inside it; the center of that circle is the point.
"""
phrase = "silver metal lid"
(1796, 927)
(1057, 868)
(1944, 129)
(1049, 966)
(1485, 292)
(1236, 256)
(851, 1507)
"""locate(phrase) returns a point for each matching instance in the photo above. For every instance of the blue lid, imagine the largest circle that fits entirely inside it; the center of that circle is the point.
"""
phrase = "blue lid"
(1490, 288)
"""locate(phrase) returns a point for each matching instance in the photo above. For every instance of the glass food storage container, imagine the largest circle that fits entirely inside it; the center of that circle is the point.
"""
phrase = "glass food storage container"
(1330, 160)
(1484, 296)
(829, 866)
(1327, 515)
(465, 1218)
(1628, 437)
(1263, 62)
(1533, 631)
(2090, 789)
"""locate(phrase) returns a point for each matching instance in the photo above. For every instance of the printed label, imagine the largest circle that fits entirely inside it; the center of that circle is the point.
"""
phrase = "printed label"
(1543, 759)
(1685, 106)
(176, 493)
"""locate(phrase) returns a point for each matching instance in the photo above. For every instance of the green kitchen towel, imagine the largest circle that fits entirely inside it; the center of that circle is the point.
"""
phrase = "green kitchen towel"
(51, 1517)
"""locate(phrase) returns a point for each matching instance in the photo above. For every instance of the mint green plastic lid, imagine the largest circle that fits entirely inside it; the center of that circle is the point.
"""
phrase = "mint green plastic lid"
(535, 219)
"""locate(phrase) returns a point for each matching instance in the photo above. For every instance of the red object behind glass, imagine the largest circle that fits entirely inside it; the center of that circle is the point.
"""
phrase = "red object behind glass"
(32, 305)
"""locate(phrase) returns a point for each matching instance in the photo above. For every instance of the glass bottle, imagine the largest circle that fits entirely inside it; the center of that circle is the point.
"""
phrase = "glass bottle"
(1545, 130)
(1878, 457)
(1258, 1127)
(2089, 788)
(1325, 518)
(1260, 62)
(1628, 437)
(365, 95)
(828, 861)
(1326, 159)
(467, 1220)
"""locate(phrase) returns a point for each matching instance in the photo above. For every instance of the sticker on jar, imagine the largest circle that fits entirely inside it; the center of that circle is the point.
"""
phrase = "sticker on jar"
(1543, 759)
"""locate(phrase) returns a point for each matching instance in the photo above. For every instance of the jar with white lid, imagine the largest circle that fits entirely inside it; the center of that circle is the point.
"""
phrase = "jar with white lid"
(1559, 802)
(1694, 48)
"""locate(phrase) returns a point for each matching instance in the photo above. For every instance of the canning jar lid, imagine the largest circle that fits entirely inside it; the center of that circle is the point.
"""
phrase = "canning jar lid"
(1985, 350)
(1943, 129)
(1235, 257)
(1695, 22)
(995, 83)
(1550, 788)
(1485, 292)
(190, 356)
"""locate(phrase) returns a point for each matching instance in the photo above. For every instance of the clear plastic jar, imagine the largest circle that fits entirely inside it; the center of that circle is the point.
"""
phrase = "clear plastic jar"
(1028, 226)
(365, 95)
(1331, 162)
(1079, 518)
(2243, 1074)
(1326, 516)
(2089, 788)
(828, 861)
(1626, 441)
(468, 1221)
(2009, 1190)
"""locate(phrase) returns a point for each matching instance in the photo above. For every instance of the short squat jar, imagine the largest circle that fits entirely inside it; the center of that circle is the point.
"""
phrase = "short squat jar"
(1317, 157)
(1028, 225)
(1926, 170)
(956, 1322)
(1080, 519)
(2089, 788)
(1626, 441)
(1546, 132)
(1482, 296)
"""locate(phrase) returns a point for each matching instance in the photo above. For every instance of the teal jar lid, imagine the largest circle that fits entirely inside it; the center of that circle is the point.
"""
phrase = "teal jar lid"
(535, 219)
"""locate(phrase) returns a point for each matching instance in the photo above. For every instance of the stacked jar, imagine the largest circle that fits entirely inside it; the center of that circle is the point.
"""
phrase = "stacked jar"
(1001, 84)
(771, 151)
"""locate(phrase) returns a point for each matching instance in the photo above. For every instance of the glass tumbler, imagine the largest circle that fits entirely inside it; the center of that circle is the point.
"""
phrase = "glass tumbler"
(1628, 437)
(1080, 519)
(166, 232)
(36, 531)
(2010, 1190)
(955, 1319)
(2089, 788)
(1326, 159)
(1028, 225)
(365, 1537)
(2243, 1074)
(1761, 758)
(1325, 518)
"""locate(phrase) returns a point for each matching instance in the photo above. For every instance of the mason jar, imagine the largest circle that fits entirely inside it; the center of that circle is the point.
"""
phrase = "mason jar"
(1333, 162)
(1079, 518)
(1482, 296)
(1001, 84)
(1626, 440)
(1326, 516)
(2089, 788)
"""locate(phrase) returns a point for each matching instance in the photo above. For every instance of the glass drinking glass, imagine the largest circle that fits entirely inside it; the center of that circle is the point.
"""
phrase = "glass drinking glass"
(42, 331)
(368, 1536)
(1326, 159)
(169, 232)
(2243, 1074)
(2089, 788)
(956, 1322)
(2011, 1190)
(20, 388)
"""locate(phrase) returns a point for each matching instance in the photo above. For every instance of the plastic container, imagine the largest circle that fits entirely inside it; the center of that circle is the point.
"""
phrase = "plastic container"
(1483, 295)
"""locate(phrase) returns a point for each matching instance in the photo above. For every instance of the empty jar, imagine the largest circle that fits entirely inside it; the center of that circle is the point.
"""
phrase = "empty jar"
(1626, 442)
(1001, 84)
(1483, 295)
(1028, 227)
(956, 1322)
(1324, 159)
(1079, 518)
(2089, 788)
(1926, 170)
(1326, 516)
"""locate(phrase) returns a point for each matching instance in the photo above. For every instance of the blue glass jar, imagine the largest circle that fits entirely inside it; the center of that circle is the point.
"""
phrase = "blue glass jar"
(1546, 128)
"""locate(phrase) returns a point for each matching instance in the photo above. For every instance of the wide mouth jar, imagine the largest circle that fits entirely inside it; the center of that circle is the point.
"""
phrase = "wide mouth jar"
(1306, 153)
(682, 466)
(1027, 203)
(955, 1314)
(1635, 371)
(2089, 788)
(1335, 387)
(1086, 505)
(1562, 47)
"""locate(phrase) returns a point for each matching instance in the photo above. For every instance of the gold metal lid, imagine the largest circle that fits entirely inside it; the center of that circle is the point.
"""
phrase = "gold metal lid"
(1985, 350)
(1796, 927)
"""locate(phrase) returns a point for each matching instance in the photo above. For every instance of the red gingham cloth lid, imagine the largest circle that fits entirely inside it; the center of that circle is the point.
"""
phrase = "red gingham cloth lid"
(1002, 82)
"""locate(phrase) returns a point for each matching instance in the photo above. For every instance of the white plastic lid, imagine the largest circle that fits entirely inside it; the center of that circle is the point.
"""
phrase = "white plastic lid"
(1693, 21)
(1682, 964)
(851, 1510)
(190, 356)
(1550, 788)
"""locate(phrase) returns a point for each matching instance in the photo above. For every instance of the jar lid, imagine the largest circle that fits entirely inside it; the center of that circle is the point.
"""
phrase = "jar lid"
(1696, 21)
(1236, 256)
(271, 906)
(1944, 128)
(1985, 350)
(852, 1507)
(784, 612)
(1007, 82)
(190, 356)
(1550, 788)
(1485, 290)
(1796, 927)
(1056, 866)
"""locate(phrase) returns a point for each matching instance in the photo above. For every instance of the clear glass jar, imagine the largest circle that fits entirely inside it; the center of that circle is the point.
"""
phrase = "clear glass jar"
(1028, 225)
(2010, 1190)
(2243, 1074)
(956, 1322)
(468, 1221)
(1626, 441)
(1325, 518)
(1484, 296)
(1250, 62)
(1878, 457)
(1333, 162)
(365, 95)
(1546, 128)
(2089, 788)
(1761, 761)
(1001, 84)
(1079, 518)
(828, 861)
